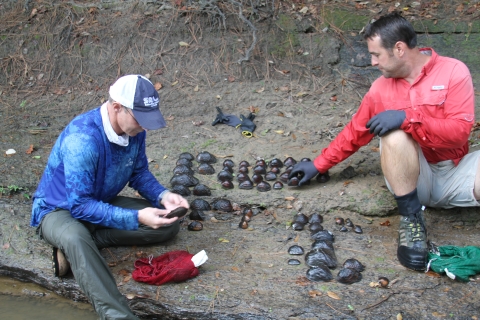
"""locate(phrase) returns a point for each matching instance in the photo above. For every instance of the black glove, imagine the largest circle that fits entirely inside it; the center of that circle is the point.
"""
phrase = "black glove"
(244, 123)
(228, 119)
(386, 121)
(247, 126)
(304, 170)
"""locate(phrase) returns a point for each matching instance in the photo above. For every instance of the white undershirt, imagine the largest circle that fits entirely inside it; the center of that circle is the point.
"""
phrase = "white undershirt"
(112, 136)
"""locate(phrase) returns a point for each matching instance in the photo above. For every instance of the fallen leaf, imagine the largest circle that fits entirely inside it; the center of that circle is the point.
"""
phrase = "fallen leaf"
(174, 83)
(127, 278)
(375, 149)
(260, 90)
(124, 272)
(333, 295)
(17, 228)
(301, 94)
(302, 281)
(223, 240)
(284, 89)
(30, 149)
(183, 44)
(158, 72)
(314, 293)
(346, 183)
(385, 223)
(432, 274)
(158, 86)
(254, 109)
(399, 316)
(289, 198)
(333, 98)
(196, 88)
(304, 10)
(170, 118)
(236, 269)
(6, 245)
(278, 131)
(231, 79)
(217, 274)
(218, 97)
(165, 156)
(294, 137)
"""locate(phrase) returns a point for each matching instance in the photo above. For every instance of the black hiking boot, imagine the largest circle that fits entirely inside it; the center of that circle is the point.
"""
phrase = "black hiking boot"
(412, 249)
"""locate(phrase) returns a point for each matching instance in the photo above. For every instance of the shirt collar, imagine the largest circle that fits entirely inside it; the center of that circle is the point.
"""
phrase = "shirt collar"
(112, 136)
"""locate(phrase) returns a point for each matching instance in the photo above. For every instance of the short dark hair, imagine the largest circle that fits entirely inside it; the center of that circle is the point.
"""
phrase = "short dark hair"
(391, 28)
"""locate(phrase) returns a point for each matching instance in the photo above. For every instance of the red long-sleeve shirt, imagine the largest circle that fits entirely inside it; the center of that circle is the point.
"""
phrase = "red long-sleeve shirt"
(439, 108)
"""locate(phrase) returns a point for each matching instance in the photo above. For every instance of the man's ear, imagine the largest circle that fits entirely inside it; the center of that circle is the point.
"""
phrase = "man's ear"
(399, 48)
(117, 107)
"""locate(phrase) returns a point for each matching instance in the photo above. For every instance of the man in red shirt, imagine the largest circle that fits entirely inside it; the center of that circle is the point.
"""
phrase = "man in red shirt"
(422, 108)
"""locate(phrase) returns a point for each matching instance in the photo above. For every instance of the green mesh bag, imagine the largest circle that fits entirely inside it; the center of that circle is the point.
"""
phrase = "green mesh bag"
(457, 263)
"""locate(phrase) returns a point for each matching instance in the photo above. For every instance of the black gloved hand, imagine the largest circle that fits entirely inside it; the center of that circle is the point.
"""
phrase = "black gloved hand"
(247, 126)
(386, 121)
(228, 119)
(304, 170)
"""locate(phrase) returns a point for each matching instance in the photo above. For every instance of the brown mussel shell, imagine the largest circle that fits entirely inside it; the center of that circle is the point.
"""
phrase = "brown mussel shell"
(257, 178)
(314, 227)
(205, 168)
(227, 168)
(323, 177)
(260, 162)
(319, 256)
(184, 179)
(289, 162)
(305, 159)
(185, 162)
(242, 177)
(323, 235)
(259, 170)
(246, 185)
(293, 182)
(200, 204)
(294, 262)
(284, 177)
(322, 244)
(243, 224)
(195, 226)
(228, 163)
(275, 170)
(227, 184)
(298, 226)
(198, 215)
(278, 185)
(383, 282)
(348, 276)
(263, 186)
(186, 155)
(353, 264)
(222, 205)
(181, 168)
(201, 190)
(315, 217)
(349, 223)
(177, 212)
(224, 176)
(320, 273)
(248, 212)
(296, 250)
(275, 162)
(206, 157)
(340, 221)
(181, 190)
(288, 169)
(244, 164)
(270, 176)
(243, 169)
(300, 217)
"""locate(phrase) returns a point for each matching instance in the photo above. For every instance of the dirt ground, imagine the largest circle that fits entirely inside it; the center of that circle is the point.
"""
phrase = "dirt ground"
(304, 80)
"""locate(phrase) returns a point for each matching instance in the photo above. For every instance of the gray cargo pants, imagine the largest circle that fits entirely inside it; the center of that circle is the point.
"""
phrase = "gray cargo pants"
(80, 242)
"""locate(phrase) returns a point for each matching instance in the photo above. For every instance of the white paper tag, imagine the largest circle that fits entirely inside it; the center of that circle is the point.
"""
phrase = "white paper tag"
(199, 258)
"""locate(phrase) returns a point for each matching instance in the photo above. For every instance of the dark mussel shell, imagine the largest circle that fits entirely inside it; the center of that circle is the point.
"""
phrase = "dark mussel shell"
(293, 262)
(243, 224)
(186, 155)
(284, 177)
(198, 215)
(259, 170)
(257, 178)
(322, 244)
(177, 212)
(224, 176)
(315, 227)
(228, 163)
(343, 229)
(300, 217)
(247, 212)
(315, 217)
(348, 276)
(353, 264)
(323, 177)
(201, 190)
(185, 162)
(305, 159)
(278, 185)
(242, 177)
(320, 273)
(227, 168)
(244, 164)
(296, 250)
(195, 226)
(181, 190)
(349, 223)
(288, 169)
(270, 176)
(340, 221)
(289, 162)
(205, 168)
(298, 226)
(181, 168)
(206, 157)
(319, 256)
(246, 185)
(200, 204)
(243, 169)
(357, 229)
(260, 162)
(293, 182)
(184, 179)
(323, 235)
(275, 170)
(227, 184)
(263, 186)
(275, 162)
(222, 205)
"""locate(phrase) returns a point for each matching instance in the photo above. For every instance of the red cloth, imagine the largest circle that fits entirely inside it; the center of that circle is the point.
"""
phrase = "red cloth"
(439, 108)
(173, 266)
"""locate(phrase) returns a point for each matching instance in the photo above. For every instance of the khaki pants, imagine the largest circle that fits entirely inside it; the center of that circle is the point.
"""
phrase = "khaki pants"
(80, 242)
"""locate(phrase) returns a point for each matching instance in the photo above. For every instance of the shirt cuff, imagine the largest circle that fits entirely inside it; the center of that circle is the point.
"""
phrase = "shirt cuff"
(161, 195)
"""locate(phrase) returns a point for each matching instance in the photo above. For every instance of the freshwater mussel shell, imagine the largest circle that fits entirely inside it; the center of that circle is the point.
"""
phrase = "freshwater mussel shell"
(247, 212)
(186, 155)
(275, 162)
(275, 170)
(181, 190)
(261, 162)
(278, 185)
(343, 229)
(340, 221)
(263, 186)
(296, 250)
(288, 169)
(293, 182)
(244, 163)
(294, 262)
(195, 226)
(246, 185)
(300, 217)
(305, 159)
(353, 264)
(270, 176)
(242, 177)
(284, 177)
(243, 169)
(206, 157)
(185, 162)
(198, 215)
(205, 168)
(222, 205)
(177, 212)
(322, 244)
(260, 170)
(184, 179)
(315, 217)
(200, 204)
(323, 235)
(257, 178)
(227, 168)
(298, 226)
(348, 276)
(323, 177)
(289, 162)
(349, 223)
(316, 257)
(181, 169)
(201, 190)
(243, 224)
(320, 273)
(227, 184)
(357, 229)
(228, 163)
(315, 227)
(224, 175)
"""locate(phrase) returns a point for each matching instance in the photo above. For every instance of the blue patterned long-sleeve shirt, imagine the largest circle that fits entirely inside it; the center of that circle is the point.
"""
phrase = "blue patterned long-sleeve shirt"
(85, 171)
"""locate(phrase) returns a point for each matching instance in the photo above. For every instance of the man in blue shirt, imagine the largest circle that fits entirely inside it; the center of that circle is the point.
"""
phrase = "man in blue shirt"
(76, 206)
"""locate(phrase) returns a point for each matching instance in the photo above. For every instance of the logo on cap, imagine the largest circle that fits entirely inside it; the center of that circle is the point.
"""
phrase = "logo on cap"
(151, 102)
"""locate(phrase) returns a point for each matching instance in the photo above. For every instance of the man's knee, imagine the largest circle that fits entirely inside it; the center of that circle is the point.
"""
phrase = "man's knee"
(161, 234)
(396, 139)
